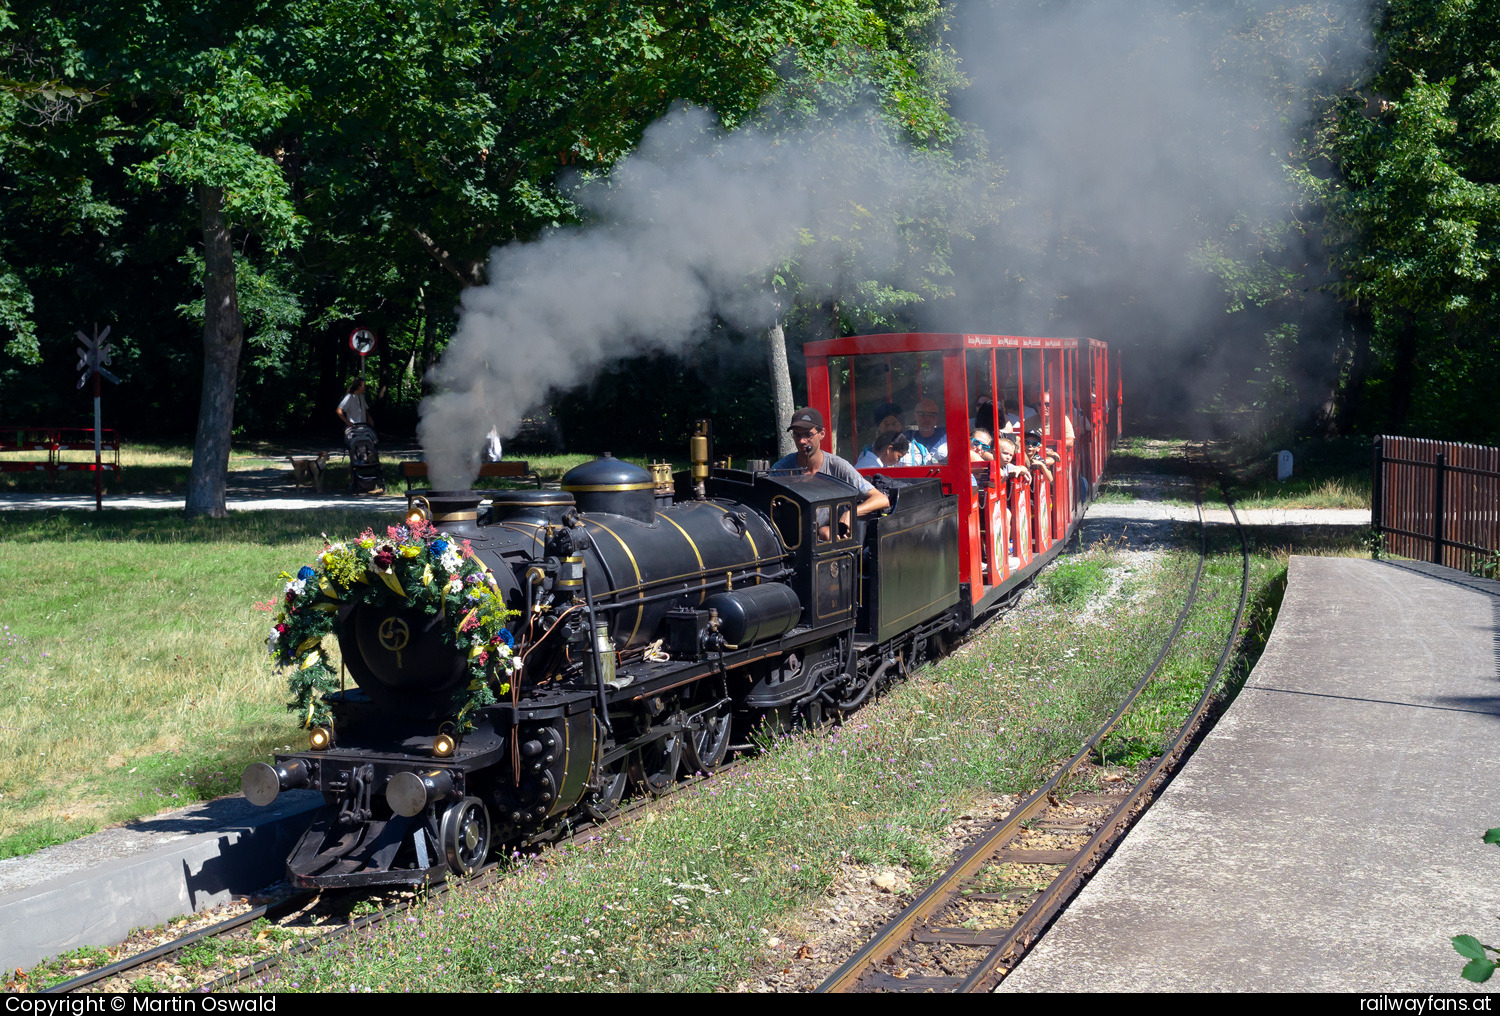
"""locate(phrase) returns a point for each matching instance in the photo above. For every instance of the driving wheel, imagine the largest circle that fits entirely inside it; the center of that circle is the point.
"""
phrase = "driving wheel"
(605, 801)
(654, 767)
(707, 743)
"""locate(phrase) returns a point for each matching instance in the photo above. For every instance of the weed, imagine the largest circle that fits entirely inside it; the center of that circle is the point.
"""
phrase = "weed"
(1072, 581)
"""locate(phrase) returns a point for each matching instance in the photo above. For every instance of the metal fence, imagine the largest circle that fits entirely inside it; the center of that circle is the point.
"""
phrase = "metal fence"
(1437, 500)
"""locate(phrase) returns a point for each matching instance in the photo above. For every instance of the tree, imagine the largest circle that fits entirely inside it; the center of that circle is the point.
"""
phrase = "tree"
(179, 99)
(317, 163)
(1415, 209)
(926, 179)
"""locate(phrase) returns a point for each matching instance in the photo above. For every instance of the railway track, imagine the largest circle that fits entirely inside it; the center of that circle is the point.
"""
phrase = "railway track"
(971, 926)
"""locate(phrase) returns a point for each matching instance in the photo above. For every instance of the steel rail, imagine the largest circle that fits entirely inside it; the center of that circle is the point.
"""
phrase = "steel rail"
(983, 978)
(177, 945)
(487, 875)
(895, 933)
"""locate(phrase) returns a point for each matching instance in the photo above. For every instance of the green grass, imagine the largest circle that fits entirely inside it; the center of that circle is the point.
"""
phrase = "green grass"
(146, 468)
(1113, 490)
(60, 968)
(1327, 473)
(133, 670)
(1071, 581)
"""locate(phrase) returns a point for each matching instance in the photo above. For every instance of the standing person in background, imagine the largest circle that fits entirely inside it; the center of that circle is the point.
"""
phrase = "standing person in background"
(363, 446)
(354, 410)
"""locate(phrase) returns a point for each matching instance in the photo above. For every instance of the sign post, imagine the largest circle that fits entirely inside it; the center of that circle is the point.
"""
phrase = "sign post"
(363, 342)
(93, 354)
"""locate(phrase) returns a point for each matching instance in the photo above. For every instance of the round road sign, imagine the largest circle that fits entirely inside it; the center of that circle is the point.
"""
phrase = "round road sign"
(362, 340)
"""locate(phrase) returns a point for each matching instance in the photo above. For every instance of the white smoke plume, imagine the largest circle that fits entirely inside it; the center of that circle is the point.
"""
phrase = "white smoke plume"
(686, 227)
(1145, 144)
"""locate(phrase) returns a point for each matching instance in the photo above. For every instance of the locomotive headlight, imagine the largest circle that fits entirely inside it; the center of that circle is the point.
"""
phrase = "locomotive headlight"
(443, 745)
(320, 738)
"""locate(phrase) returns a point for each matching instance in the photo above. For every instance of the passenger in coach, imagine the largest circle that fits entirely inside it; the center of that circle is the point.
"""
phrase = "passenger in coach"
(890, 449)
(1013, 419)
(1043, 462)
(1005, 454)
(888, 421)
(927, 433)
(981, 446)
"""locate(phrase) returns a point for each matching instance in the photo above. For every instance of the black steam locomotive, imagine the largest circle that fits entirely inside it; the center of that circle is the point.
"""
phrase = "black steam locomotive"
(660, 620)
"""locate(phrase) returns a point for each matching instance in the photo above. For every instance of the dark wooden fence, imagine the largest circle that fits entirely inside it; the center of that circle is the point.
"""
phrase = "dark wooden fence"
(1436, 500)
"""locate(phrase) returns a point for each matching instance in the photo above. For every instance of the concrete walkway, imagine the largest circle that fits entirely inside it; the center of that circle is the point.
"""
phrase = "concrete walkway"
(1327, 834)
(269, 489)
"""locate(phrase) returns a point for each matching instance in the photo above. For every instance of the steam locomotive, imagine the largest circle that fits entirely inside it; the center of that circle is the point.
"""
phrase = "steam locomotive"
(653, 621)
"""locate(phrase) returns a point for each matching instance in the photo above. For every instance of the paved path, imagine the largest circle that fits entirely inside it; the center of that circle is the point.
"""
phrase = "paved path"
(248, 490)
(1326, 836)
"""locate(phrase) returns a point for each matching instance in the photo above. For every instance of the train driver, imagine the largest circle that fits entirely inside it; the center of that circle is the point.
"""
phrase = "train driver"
(807, 430)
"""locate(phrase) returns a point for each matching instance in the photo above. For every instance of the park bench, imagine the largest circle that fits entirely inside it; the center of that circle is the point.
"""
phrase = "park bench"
(54, 441)
(511, 470)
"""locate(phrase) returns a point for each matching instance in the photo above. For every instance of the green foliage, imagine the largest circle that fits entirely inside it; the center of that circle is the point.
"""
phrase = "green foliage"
(1414, 214)
(370, 157)
(1480, 966)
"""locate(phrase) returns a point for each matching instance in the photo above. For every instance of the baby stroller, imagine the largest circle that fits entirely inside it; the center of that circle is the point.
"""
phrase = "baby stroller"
(364, 459)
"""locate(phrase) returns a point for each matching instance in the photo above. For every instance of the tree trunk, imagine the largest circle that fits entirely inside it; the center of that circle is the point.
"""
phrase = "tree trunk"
(223, 337)
(1403, 377)
(781, 386)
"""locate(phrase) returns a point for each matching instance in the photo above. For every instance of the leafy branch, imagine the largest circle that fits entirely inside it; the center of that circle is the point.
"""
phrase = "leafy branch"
(1480, 965)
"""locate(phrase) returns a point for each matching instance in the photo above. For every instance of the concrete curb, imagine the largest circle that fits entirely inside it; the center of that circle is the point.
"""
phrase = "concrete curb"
(96, 890)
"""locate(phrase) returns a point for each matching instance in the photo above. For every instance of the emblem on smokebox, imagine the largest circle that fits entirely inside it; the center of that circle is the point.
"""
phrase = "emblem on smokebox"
(394, 635)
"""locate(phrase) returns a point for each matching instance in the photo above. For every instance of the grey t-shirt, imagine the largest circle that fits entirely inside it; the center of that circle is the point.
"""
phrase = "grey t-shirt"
(833, 466)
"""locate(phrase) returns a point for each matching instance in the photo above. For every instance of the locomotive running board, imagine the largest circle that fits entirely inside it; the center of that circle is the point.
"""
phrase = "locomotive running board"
(338, 855)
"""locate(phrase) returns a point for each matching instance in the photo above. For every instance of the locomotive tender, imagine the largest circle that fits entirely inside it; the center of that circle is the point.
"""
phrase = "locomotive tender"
(658, 619)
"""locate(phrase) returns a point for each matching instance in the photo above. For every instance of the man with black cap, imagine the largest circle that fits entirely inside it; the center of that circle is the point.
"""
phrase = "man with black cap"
(807, 429)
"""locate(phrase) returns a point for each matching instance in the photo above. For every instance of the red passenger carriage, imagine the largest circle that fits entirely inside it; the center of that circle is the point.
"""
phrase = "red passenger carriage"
(1067, 391)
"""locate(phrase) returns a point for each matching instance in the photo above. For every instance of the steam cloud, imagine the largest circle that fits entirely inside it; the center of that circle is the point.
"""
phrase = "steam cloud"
(687, 226)
(1134, 137)
(1141, 142)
